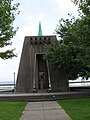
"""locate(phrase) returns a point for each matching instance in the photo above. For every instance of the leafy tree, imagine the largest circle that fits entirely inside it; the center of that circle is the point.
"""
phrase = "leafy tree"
(72, 52)
(8, 12)
(84, 6)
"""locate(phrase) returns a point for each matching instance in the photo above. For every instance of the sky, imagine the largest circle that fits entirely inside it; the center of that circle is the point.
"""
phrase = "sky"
(48, 12)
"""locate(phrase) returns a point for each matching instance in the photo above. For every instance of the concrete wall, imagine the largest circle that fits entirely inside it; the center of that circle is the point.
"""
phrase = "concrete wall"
(59, 81)
(24, 78)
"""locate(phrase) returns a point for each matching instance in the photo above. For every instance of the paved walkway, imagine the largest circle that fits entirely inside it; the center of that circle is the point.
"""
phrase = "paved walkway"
(49, 110)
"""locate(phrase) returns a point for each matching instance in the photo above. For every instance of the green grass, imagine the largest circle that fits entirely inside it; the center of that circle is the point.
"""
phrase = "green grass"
(11, 110)
(77, 109)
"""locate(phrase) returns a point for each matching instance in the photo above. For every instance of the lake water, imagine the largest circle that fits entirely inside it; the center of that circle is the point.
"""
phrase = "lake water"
(9, 85)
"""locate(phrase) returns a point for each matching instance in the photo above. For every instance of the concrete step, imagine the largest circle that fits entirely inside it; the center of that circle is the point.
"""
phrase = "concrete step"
(43, 96)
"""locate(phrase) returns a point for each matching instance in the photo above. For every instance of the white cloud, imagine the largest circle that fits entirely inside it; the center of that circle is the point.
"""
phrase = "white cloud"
(41, 17)
(64, 3)
(67, 6)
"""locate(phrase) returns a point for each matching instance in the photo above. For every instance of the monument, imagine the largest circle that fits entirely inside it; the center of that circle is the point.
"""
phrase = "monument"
(34, 73)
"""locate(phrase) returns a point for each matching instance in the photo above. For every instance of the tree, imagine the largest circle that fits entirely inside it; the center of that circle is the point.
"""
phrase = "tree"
(8, 12)
(84, 6)
(72, 52)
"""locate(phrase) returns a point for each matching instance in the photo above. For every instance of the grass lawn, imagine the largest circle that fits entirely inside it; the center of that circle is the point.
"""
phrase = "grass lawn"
(77, 109)
(11, 110)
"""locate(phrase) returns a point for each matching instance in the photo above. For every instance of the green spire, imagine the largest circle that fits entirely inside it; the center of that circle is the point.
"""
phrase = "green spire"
(40, 30)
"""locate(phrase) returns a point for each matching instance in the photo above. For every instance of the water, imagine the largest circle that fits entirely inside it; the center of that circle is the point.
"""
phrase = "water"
(9, 85)
(6, 82)
(6, 86)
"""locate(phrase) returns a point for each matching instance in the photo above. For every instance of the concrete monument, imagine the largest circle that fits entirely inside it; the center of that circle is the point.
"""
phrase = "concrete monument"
(34, 73)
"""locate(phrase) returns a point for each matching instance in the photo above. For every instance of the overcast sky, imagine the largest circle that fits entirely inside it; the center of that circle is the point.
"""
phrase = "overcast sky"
(48, 12)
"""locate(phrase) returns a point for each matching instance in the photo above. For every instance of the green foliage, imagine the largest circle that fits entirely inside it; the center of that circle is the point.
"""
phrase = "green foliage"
(7, 54)
(11, 110)
(72, 51)
(84, 6)
(8, 12)
(77, 109)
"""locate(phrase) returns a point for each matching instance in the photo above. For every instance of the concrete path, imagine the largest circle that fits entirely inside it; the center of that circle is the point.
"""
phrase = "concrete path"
(49, 110)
